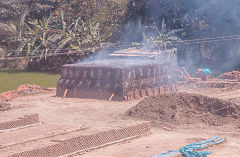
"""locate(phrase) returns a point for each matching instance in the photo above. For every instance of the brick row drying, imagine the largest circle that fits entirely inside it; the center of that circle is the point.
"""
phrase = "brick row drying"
(87, 142)
(21, 122)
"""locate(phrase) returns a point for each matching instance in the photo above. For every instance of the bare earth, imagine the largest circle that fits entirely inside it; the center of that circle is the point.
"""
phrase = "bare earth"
(65, 118)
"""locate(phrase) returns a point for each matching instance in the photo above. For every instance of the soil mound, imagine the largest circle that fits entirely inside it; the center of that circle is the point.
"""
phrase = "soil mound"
(184, 108)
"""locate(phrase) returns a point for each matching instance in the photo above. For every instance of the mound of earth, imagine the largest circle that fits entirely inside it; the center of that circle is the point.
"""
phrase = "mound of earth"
(183, 108)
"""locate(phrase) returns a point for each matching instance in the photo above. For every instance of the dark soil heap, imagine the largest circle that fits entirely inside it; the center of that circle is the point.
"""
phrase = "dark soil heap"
(184, 108)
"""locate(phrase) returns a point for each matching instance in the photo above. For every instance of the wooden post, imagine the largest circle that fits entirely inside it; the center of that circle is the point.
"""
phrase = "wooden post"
(110, 99)
(65, 93)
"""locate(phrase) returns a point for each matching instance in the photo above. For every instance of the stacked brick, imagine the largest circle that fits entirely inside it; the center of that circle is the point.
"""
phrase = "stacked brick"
(136, 94)
(21, 122)
(180, 74)
(102, 79)
(87, 142)
(234, 75)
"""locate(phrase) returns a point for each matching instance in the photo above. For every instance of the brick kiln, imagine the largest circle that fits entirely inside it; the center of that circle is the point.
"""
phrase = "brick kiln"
(115, 79)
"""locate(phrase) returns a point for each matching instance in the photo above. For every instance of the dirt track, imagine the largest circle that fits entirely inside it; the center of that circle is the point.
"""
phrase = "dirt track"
(65, 118)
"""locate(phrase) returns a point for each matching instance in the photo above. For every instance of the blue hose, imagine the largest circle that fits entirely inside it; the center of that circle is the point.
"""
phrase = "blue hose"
(192, 150)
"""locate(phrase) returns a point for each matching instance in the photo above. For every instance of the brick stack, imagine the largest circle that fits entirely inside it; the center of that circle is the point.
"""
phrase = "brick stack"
(180, 74)
(234, 75)
(120, 77)
(150, 92)
(21, 122)
(87, 142)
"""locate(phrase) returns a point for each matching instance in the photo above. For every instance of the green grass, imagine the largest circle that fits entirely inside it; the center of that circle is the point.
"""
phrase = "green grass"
(10, 80)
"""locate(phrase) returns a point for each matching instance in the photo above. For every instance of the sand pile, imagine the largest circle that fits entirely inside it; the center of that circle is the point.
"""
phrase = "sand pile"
(182, 108)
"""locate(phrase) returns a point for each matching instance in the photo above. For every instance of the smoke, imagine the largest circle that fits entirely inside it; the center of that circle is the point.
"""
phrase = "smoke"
(200, 19)
(218, 18)
(221, 16)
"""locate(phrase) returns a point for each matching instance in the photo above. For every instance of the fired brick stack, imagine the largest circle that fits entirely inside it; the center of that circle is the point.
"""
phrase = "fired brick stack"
(122, 79)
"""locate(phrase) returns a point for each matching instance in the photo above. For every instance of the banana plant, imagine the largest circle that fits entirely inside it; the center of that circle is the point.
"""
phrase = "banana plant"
(79, 35)
(69, 35)
(20, 36)
(53, 35)
(163, 39)
(33, 36)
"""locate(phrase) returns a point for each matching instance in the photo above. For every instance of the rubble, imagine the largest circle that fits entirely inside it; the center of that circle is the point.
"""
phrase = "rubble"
(4, 106)
(21, 91)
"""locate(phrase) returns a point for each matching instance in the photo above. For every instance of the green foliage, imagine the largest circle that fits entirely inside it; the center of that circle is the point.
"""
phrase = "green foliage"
(55, 34)
(51, 26)
(6, 31)
(109, 14)
(10, 10)
(162, 40)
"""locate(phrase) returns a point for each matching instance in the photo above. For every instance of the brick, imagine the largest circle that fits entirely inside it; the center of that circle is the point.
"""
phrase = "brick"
(149, 92)
(155, 91)
(87, 141)
(109, 77)
(27, 120)
(161, 90)
(143, 93)
(137, 94)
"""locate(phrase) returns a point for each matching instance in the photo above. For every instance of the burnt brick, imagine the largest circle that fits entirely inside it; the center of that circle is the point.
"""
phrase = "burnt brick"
(118, 76)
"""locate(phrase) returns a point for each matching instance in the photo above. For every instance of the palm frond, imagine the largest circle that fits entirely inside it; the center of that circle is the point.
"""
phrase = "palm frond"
(63, 43)
(63, 21)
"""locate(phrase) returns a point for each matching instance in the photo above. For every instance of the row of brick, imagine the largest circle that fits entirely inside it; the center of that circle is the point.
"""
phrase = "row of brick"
(111, 85)
(230, 75)
(21, 122)
(136, 94)
(113, 71)
(87, 142)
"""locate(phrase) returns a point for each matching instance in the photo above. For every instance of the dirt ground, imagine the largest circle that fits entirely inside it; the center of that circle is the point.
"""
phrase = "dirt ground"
(69, 117)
